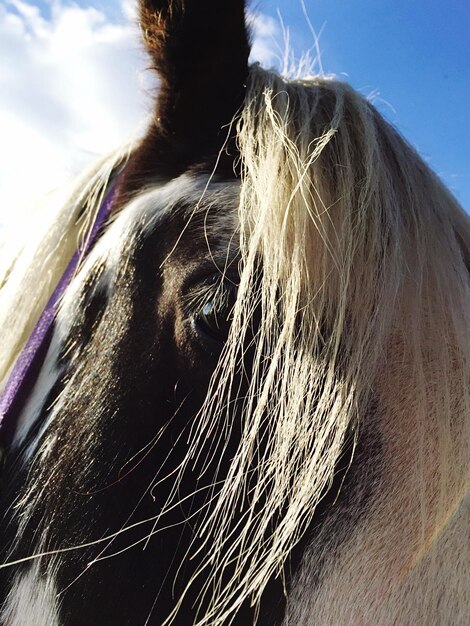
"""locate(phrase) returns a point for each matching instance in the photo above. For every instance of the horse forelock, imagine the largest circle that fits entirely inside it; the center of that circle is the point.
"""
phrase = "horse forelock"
(368, 258)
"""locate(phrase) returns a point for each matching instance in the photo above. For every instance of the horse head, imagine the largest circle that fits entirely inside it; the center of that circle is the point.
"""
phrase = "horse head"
(253, 403)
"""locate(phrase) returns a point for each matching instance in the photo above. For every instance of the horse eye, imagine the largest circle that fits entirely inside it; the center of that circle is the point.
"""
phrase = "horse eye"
(214, 317)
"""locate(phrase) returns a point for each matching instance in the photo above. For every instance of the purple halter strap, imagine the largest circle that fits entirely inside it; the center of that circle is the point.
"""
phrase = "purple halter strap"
(28, 363)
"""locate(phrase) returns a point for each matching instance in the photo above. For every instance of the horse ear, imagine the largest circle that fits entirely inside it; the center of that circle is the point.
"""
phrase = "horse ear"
(200, 50)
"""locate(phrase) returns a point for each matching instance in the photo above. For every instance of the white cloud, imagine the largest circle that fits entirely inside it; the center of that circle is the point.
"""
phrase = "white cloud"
(73, 86)
(70, 89)
(266, 37)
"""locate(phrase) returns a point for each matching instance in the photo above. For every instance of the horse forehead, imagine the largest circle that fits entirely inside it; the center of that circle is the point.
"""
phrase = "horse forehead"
(185, 197)
(183, 203)
(187, 201)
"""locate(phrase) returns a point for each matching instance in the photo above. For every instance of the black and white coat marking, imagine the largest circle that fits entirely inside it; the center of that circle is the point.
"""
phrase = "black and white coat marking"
(99, 527)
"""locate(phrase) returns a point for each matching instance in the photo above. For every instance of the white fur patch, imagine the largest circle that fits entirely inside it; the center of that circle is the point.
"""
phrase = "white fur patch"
(32, 601)
(35, 404)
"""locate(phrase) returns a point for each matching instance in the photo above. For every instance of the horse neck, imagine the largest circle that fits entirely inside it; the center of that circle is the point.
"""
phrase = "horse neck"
(407, 558)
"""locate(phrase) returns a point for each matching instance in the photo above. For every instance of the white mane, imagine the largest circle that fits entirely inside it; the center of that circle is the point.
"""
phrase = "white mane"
(364, 302)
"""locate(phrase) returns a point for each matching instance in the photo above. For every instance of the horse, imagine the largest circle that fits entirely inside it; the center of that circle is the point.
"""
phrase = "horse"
(251, 401)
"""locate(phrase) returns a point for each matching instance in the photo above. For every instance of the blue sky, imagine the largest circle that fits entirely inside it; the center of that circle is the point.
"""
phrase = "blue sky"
(73, 82)
(416, 53)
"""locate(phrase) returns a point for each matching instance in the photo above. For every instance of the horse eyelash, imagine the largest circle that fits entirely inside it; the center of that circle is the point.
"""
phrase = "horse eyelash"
(199, 296)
